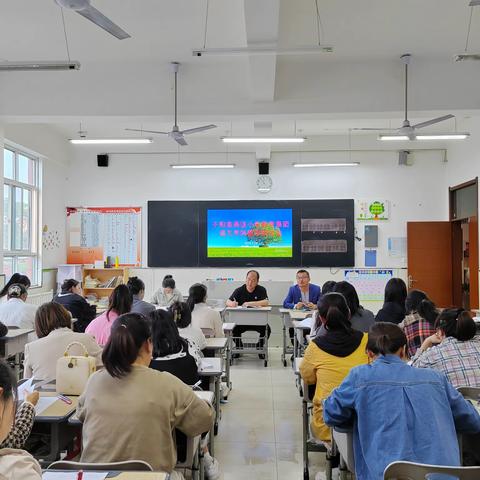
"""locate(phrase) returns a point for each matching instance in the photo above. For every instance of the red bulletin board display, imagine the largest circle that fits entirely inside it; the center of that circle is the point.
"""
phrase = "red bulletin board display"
(93, 233)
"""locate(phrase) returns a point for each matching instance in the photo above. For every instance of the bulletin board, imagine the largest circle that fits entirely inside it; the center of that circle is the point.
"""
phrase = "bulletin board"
(369, 283)
(93, 233)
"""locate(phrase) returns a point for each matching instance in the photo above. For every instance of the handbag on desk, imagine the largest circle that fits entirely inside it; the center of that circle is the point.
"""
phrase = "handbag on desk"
(73, 371)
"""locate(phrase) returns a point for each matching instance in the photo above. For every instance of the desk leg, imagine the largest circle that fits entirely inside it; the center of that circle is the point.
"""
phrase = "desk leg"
(217, 404)
(295, 346)
(16, 366)
(228, 357)
(284, 358)
(305, 437)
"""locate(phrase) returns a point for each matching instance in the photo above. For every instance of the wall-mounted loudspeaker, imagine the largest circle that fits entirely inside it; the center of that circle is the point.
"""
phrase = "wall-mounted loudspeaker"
(403, 157)
(263, 168)
(102, 160)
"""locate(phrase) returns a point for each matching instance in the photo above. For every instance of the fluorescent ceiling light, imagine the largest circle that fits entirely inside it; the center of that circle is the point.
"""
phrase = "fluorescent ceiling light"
(264, 50)
(263, 139)
(38, 66)
(443, 136)
(117, 141)
(311, 165)
(205, 165)
(392, 137)
(466, 56)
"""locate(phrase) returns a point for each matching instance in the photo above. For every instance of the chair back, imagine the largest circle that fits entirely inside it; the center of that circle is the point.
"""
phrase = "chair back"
(208, 332)
(125, 466)
(419, 471)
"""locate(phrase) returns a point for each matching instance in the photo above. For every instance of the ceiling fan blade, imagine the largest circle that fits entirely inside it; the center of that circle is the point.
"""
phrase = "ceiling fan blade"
(180, 140)
(433, 121)
(146, 131)
(474, 3)
(197, 129)
(368, 129)
(98, 18)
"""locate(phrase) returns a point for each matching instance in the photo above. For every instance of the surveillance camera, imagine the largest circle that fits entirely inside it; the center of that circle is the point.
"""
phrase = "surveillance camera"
(199, 54)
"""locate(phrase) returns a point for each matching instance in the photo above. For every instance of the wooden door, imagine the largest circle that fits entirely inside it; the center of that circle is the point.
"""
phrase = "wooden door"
(473, 260)
(429, 250)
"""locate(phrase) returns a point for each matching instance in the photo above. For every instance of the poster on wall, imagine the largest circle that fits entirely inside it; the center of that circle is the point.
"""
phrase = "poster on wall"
(373, 210)
(369, 283)
(94, 233)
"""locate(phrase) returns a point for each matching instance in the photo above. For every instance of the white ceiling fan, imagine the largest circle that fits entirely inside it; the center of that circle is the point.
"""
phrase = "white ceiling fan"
(407, 130)
(85, 9)
(176, 134)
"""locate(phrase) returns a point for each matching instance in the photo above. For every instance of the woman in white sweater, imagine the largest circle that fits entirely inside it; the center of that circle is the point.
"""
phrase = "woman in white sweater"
(183, 318)
(204, 317)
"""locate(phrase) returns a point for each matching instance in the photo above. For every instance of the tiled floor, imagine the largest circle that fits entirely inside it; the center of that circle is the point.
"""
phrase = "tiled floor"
(260, 433)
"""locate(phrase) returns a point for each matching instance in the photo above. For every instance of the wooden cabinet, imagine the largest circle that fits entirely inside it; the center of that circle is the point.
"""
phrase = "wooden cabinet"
(107, 278)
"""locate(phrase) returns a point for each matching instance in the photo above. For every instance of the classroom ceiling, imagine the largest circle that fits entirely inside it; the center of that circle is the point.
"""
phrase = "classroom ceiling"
(128, 83)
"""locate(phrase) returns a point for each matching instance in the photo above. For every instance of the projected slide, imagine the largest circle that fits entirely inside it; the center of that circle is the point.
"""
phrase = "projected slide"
(249, 233)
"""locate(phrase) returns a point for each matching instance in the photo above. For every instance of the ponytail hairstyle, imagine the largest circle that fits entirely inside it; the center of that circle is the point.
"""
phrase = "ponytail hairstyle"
(129, 332)
(120, 300)
(135, 285)
(8, 382)
(168, 282)
(182, 314)
(68, 284)
(165, 337)
(456, 323)
(417, 301)
(196, 294)
(16, 290)
(334, 311)
(16, 278)
(385, 338)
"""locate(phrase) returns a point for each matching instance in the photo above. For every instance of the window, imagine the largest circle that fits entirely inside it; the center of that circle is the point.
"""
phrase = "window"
(20, 214)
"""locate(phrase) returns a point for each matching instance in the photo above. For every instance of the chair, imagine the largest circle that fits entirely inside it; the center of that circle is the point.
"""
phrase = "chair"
(470, 392)
(343, 438)
(419, 471)
(127, 465)
(208, 332)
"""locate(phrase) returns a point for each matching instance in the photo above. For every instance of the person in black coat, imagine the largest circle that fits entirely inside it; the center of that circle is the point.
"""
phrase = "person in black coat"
(393, 309)
(71, 298)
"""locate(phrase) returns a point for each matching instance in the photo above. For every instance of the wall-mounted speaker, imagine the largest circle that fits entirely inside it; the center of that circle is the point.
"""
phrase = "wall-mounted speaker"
(263, 168)
(102, 160)
(403, 157)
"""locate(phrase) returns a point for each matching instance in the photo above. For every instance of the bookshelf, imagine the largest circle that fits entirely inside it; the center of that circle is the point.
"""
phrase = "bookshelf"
(108, 279)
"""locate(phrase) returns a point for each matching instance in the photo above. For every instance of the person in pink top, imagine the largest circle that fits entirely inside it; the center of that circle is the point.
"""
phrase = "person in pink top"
(120, 302)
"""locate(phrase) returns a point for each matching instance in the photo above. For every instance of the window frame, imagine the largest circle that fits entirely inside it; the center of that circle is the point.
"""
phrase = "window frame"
(34, 212)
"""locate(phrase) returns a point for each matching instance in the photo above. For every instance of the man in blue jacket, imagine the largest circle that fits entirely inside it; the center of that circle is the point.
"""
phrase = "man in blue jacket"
(303, 295)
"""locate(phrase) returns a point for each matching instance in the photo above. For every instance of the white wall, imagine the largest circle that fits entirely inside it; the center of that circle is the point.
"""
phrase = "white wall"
(416, 192)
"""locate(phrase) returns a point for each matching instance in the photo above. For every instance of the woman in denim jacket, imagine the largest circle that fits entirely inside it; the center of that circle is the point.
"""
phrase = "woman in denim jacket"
(399, 412)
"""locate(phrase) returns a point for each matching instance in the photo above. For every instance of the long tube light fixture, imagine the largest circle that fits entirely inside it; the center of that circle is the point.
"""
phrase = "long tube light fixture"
(264, 50)
(38, 66)
(201, 166)
(263, 139)
(111, 141)
(313, 165)
(421, 136)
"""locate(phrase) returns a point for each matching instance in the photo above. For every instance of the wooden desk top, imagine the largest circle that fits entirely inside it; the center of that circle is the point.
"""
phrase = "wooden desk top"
(216, 343)
(57, 412)
(215, 369)
(123, 475)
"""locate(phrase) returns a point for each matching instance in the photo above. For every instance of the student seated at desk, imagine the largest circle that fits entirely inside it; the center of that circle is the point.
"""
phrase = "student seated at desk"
(15, 278)
(14, 463)
(330, 357)
(168, 294)
(120, 302)
(17, 313)
(393, 309)
(454, 350)
(303, 295)
(398, 412)
(171, 352)
(250, 294)
(53, 328)
(129, 410)
(204, 317)
(72, 299)
(137, 289)
(183, 319)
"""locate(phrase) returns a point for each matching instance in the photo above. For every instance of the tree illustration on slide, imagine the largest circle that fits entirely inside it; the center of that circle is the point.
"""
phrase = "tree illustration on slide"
(263, 234)
(376, 209)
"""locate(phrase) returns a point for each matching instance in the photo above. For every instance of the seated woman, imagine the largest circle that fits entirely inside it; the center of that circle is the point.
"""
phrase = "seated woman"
(398, 412)
(53, 327)
(329, 357)
(14, 463)
(149, 403)
(15, 278)
(419, 323)
(183, 319)
(17, 313)
(71, 298)
(203, 317)
(393, 309)
(137, 289)
(454, 350)
(120, 302)
(171, 352)
(168, 294)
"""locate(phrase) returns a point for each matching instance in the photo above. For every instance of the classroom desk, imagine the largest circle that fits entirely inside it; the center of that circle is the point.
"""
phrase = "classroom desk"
(219, 347)
(118, 475)
(287, 324)
(56, 418)
(13, 344)
(215, 370)
(257, 316)
(295, 317)
(228, 331)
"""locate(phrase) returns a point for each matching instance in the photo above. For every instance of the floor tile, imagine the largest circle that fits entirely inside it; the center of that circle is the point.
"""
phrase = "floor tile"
(248, 425)
(288, 426)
